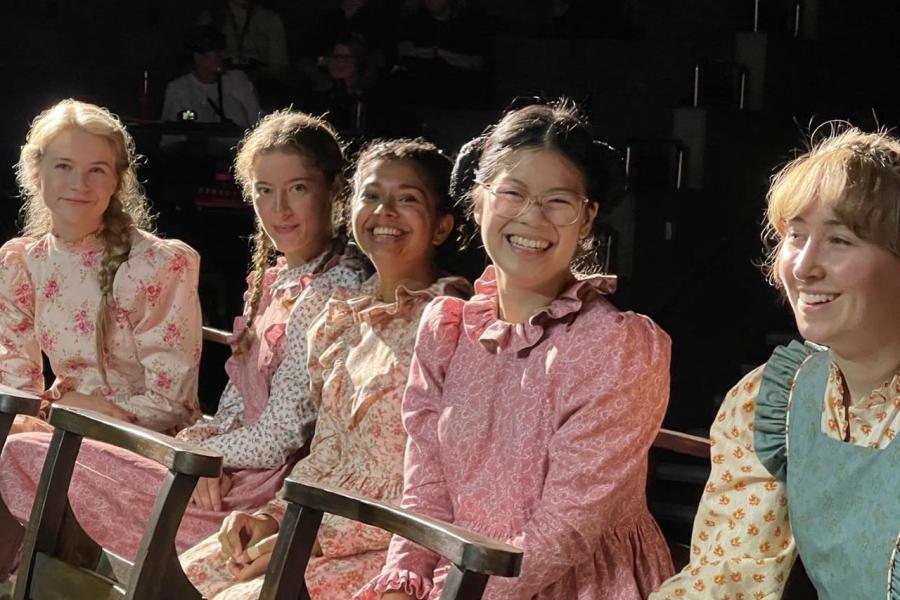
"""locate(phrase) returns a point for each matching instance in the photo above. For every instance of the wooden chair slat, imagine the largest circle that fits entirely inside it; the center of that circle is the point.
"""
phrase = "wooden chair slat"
(173, 454)
(15, 405)
(461, 584)
(217, 336)
(51, 575)
(293, 547)
(468, 550)
(682, 443)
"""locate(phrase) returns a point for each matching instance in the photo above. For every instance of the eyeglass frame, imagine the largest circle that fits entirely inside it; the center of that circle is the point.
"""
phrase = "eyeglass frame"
(537, 199)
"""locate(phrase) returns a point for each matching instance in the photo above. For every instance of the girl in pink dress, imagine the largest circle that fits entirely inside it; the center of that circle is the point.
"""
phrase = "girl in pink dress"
(531, 407)
(113, 307)
(290, 167)
(360, 351)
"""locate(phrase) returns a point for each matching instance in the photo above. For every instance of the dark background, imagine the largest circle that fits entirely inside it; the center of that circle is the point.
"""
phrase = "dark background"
(685, 252)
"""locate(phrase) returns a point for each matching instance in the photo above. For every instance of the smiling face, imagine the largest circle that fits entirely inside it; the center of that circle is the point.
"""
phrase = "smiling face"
(293, 202)
(76, 179)
(395, 217)
(529, 251)
(844, 290)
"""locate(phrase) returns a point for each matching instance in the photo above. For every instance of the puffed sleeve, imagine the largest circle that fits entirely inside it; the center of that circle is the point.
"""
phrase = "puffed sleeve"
(287, 419)
(20, 352)
(158, 291)
(597, 455)
(742, 541)
(409, 567)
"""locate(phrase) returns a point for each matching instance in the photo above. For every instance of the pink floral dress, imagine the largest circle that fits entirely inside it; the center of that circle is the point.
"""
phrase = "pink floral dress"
(49, 293)
(265, 416)
(360, 351)
(536, 434)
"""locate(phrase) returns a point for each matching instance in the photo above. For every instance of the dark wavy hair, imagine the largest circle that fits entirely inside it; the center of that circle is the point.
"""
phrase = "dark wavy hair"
(559, 126)
(436, 167)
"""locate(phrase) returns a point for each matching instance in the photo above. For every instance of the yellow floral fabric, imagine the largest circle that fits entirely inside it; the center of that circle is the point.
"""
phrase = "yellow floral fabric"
(742, 547)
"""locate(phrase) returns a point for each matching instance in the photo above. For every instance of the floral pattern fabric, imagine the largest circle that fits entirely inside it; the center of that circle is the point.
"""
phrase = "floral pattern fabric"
(537, 435)
(49, 293)
(113, 491)
(360, 351)
(742, 546)
(263, 424)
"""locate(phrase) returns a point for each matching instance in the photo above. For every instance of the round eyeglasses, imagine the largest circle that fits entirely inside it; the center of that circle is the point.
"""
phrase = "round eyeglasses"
(560, 207)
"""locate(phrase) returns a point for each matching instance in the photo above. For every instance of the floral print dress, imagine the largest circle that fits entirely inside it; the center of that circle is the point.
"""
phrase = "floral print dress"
(742, 546)
(113, 491)
(49, 293)
(360, 351)
(536, 434)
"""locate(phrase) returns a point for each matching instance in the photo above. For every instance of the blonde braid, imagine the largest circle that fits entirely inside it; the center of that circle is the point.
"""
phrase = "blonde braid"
(116, 238)
(262, 260)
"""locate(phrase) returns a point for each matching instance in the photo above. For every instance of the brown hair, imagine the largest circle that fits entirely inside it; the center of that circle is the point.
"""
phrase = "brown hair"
(127, 208)
(559, 126)
(286, 131)
(855, 172)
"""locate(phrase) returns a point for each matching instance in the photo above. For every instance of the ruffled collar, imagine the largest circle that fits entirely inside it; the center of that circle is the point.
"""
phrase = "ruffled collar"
(889, 391)
(366, 305)
(287, 282)
(481, 320)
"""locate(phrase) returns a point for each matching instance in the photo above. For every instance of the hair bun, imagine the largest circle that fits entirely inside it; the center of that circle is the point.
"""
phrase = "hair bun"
(608, 168)
(462, 179)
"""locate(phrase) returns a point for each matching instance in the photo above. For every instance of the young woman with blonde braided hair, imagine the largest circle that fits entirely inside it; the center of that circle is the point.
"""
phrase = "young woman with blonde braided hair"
(290, 168)
(113, 307)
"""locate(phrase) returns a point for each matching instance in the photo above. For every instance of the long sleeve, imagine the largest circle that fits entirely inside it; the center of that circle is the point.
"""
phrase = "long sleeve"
(164, 312)
(409, 567)
(285, 423)
(596, 455)
(227, 416)
(20, 352)
(742, 541)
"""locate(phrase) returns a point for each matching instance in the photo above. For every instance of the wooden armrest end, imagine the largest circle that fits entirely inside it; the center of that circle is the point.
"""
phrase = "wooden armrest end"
(15, 405)
(682, 443)
(181, 457)
(470, 551)
(217, 336)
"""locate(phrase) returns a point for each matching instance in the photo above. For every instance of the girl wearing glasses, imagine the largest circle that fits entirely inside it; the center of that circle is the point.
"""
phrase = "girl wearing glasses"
(530, 408)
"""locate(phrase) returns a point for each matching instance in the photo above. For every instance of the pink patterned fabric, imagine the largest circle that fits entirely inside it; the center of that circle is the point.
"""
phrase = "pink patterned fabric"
(49, 293)
(251, 373)
(113, 491)
(536, 434)
(360, 351)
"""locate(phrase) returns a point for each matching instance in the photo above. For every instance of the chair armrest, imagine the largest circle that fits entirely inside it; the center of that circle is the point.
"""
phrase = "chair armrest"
(175, 455)
(682, 443)
(217, 336)
(18, 405)
(470, 551)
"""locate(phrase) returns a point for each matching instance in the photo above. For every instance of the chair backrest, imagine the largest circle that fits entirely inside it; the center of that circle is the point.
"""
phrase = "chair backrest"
(60, 560)
(473, 558)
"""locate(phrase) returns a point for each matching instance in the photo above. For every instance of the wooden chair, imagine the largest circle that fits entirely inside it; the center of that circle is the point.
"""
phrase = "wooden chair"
(60, 560)
(12, 535)
(10, 406)
(798, 587)
(473, 558)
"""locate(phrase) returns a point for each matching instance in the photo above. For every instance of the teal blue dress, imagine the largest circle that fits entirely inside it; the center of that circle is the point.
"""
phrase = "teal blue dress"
(843, 499)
